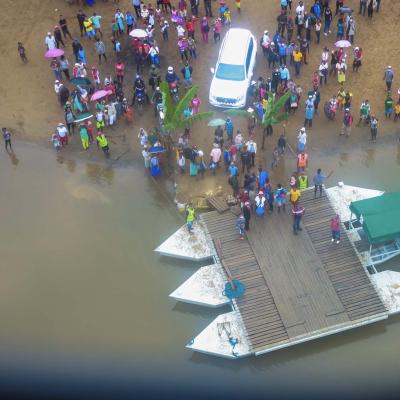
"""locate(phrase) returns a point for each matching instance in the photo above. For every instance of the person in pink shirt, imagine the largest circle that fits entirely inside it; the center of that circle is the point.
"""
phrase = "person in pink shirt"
(204, 28)
(335, 229)
(216, 154)
(195, 103)
(217, 30)
(183, 47)
(96, 77)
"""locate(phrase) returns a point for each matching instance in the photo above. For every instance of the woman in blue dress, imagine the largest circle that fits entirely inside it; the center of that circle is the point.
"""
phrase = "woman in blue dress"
(155, 166)
(119, 18)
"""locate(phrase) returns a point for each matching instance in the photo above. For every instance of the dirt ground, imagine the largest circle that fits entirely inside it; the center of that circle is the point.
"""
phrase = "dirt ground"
(29, 106)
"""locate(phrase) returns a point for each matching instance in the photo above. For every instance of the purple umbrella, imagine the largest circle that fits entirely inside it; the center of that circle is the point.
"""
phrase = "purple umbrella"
(54, 53)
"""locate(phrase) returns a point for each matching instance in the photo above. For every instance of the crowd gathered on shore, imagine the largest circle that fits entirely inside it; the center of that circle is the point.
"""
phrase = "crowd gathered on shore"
(92, 103)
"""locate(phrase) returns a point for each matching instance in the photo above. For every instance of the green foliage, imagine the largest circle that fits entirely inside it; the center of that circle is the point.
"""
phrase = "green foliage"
(273, 114)
(174, 118)
(237, 113)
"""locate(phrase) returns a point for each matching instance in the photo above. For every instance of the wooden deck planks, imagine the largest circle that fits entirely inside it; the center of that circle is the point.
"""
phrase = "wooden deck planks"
(304, 295)
(295, 285)
(341, 262)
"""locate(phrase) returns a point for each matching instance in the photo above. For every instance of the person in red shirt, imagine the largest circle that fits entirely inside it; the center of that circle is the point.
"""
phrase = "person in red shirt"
(120, 71)
(302, 161)
(335, 229)
(190, 26)
(217, 30)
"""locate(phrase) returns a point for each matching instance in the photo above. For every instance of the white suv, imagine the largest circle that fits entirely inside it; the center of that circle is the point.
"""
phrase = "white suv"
(234, 69)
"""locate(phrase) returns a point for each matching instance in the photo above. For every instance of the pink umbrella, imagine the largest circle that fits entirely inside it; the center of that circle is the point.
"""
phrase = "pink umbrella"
(54, 53)
(100, 94)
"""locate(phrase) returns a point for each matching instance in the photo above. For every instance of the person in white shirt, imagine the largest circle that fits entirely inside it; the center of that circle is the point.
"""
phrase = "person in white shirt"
(62, 133)
(252, 149)
(112, 113)
(216, 154)
(50, 41)
(180, 31)
(181, 163)
(57, 86)
(146, 157)
(143, 137)
(300, 9)
(301, 140)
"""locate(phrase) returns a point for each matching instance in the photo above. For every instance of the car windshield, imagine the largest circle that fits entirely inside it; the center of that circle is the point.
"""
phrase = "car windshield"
(230, 72)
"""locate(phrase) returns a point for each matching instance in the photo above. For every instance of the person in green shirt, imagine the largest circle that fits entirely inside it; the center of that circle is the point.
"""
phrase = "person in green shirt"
(190, 217)
(303, 181)
(96, 20)
(103, 144)
(388, 105)
(365, 111)
(83, 133)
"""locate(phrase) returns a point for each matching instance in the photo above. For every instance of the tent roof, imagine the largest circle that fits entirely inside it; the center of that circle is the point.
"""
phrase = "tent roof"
(381, 216)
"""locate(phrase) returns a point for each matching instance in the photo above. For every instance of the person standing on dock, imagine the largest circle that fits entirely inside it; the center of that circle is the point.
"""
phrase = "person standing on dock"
(298, 213)
(319, 180)
(260, 204)
(247, 215)
(240, 225)
(190, 217)
(335, 229)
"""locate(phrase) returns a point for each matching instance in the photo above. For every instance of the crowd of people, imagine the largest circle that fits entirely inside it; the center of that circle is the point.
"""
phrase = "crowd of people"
(143, 49)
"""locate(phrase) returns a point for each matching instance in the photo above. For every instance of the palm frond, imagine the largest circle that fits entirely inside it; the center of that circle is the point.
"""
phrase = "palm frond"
(237, 113)
(168, 104)
(271, 115)
(279, 118)
(184, 101)
(196, 117)
(281, 101)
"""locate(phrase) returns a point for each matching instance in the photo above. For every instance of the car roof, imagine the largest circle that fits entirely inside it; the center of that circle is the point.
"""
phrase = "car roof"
(235, 46)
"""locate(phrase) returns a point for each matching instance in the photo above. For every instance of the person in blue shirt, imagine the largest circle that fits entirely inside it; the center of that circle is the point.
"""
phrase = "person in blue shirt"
(318, 181)
(316, 9)
(227, 158)
(130, 21)
(263, 176)
(229, 129)
(277, 39)
(282, 51)
(285, 74)
(233, 170)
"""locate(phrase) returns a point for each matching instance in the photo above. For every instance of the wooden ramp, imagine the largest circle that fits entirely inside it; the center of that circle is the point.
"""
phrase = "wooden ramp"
(299, 287)
(217, 203)
(257, 308)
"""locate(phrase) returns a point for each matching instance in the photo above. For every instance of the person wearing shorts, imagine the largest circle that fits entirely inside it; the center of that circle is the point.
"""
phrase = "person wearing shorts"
(99, 121)
(88, 25)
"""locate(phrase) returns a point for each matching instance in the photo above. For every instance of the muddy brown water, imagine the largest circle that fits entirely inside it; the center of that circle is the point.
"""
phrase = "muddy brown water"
(81, 286)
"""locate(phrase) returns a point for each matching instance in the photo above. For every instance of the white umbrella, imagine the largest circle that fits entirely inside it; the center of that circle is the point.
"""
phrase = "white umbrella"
(343, 43)
(138, 33)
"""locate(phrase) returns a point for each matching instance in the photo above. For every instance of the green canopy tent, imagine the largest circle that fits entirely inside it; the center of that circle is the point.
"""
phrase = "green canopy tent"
(380, 217)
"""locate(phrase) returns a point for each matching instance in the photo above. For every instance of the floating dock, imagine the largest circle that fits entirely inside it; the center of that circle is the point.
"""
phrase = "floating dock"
(298, 287)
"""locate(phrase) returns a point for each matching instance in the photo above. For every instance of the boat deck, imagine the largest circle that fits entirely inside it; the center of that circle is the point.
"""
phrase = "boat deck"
(298, 287)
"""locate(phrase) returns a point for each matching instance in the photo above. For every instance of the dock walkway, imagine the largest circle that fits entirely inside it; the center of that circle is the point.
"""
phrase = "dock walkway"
(298, 287)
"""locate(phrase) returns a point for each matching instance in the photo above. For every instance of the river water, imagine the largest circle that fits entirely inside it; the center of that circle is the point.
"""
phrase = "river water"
(83, 291)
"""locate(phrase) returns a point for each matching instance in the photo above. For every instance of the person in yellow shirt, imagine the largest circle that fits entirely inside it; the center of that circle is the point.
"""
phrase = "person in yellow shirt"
(102, 142)
(88, 25)
(297, 58)
(294, 195)
(397, 111)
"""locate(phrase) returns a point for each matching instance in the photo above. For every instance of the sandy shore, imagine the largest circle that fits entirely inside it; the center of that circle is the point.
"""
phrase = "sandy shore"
(30, 109)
